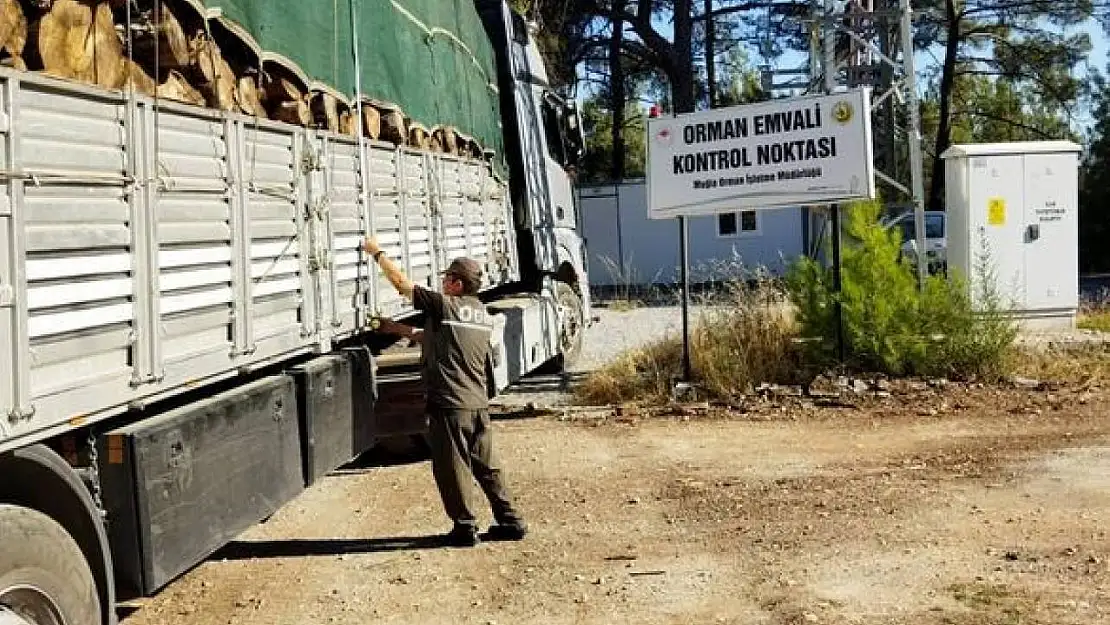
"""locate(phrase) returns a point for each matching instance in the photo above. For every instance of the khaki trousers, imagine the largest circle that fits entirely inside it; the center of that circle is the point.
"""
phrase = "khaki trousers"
(462, 448)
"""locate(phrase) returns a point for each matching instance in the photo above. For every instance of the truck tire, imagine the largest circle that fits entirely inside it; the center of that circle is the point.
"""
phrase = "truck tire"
(43, 575)
(571, 324)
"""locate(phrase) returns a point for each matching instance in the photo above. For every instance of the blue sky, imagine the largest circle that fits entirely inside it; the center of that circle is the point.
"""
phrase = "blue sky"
(1098, 60)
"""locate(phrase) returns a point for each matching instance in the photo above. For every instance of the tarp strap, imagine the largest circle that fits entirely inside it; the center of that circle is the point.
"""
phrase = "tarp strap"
(431, 32)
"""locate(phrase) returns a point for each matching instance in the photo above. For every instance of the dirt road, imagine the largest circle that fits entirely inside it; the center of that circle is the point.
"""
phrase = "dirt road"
(965, 506)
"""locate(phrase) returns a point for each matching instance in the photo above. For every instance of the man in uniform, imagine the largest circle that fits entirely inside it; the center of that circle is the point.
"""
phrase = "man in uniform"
(456, 343)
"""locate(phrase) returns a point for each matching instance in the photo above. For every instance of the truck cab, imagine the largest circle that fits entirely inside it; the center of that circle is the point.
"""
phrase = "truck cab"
(545, 144)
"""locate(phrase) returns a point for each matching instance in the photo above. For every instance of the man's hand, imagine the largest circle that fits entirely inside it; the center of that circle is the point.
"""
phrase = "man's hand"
(370, 245)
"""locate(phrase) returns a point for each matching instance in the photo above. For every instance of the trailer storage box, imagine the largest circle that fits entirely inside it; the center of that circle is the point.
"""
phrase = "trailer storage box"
(179, 486)
(333, 431)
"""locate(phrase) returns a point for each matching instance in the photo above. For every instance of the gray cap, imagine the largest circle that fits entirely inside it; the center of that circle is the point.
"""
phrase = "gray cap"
(468, 270)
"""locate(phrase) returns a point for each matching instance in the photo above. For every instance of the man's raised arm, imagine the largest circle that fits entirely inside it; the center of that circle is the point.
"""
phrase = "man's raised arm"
(393, 273)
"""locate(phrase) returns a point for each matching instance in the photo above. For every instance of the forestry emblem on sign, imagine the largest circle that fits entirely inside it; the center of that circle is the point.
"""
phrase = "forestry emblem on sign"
(665, 136)
(842, 112)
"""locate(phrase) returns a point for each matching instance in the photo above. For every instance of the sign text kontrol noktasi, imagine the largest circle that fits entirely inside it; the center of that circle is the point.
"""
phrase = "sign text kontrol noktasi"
(770, 153)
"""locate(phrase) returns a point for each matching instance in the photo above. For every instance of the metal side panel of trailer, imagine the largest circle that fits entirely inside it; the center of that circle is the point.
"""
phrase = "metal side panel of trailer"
(146, 248)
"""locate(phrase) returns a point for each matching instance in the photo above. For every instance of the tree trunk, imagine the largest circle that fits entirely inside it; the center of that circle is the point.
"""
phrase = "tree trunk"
(617, 92)
(944, 125)
(78, 40)
(682, 58)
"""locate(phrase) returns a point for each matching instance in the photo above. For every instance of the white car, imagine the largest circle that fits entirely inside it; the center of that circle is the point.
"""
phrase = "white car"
(936, 241)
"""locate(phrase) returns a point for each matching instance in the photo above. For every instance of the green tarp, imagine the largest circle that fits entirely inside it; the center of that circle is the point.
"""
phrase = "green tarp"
(430, 57)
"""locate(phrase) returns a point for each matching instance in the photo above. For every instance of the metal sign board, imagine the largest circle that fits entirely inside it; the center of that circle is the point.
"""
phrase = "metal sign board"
(788, 152)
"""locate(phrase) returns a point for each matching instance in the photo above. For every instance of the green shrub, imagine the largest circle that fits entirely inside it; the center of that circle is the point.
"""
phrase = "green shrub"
(889, 325)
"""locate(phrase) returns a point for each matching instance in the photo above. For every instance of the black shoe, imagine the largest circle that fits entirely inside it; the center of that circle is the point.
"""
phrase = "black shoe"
(515, 530)
(462, 536)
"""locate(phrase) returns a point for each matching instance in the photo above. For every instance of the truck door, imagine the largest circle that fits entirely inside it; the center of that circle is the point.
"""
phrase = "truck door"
(549, 144)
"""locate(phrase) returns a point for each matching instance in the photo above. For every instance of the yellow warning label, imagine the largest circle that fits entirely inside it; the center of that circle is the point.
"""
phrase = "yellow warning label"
(996, 211)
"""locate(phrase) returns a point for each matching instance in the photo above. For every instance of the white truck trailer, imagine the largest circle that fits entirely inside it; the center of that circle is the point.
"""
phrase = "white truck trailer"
(187, 321)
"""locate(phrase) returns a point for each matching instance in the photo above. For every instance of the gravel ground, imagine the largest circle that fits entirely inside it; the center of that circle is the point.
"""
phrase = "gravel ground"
(612, 333)
(935, 506)
(617, 331)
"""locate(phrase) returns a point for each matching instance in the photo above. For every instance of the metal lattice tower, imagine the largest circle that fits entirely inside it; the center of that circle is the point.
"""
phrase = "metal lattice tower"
(870, 43)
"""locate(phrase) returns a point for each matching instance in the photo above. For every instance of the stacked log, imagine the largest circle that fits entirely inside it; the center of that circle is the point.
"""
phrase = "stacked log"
(419, 137)
(325, 110)
(176, 55)
(13, 34)
(394, 127)
(77, 39)
(177, 88)
(286, 101)
(371, 121)
(212, 73)
(163, 46)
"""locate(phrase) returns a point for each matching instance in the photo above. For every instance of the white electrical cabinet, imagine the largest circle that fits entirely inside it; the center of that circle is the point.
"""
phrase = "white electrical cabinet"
(1013, 216)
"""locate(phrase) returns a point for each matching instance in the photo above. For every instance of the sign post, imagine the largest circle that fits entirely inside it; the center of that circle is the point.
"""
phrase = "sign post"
(803, 151)
(684, 253)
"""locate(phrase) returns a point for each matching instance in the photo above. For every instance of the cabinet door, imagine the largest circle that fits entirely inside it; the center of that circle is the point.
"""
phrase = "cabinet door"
(1050, 236)
(996, 218)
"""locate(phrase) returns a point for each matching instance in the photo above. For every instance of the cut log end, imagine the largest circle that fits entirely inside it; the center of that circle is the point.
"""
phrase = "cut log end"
(348, 123)
(371, 122)
(249, 97)
(419, 137)
(216, 79)
(178, 89)
(78, 40)
(164, 46)
(445, 140)
(393, 127)
(13, 28)
(325, 111)
(294, 112)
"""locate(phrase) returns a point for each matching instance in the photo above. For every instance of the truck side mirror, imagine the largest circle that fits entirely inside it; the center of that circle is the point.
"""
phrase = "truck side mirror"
(575, 138)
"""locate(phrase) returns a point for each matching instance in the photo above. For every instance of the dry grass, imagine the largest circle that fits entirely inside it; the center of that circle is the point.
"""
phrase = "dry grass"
(744, 337)
(1095, 320)
(1083, 366)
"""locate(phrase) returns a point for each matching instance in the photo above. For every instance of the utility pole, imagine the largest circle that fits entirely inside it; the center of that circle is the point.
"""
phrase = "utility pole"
(711, 53)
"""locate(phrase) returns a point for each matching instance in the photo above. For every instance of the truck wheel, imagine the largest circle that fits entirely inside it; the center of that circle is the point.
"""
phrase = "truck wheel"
(44, 578)
(571, 323)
